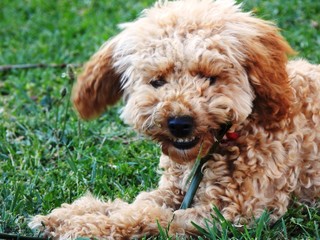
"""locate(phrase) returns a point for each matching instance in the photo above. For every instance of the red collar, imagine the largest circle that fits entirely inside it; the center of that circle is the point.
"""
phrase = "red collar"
(232, 136)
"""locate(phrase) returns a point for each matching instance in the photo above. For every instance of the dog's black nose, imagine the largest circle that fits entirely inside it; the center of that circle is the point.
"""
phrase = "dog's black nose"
(181, 126)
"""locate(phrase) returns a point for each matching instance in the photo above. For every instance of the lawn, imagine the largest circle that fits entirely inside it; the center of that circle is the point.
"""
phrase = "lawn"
(48, 156)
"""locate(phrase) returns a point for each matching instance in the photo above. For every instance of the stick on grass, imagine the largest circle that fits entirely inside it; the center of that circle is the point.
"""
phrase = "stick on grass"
(4, 68)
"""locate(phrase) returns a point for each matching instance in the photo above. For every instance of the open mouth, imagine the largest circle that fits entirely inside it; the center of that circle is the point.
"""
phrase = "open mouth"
(185, 143)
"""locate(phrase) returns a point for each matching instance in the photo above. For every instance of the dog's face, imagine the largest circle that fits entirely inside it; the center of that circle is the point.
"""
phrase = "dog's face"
(184, 69)
(181, 89)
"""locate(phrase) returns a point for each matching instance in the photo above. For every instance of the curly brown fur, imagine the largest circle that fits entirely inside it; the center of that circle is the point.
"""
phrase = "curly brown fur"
(184, 68)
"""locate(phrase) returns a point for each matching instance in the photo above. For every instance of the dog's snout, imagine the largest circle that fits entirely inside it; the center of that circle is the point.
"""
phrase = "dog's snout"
(181, 126)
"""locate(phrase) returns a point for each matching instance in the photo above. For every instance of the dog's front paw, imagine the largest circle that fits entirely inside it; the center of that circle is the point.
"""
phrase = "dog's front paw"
(85, 217)
(95, 226)
(44, 225)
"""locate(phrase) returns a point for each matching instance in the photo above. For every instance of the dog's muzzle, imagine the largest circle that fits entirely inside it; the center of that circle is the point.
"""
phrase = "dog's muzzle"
(181, 129)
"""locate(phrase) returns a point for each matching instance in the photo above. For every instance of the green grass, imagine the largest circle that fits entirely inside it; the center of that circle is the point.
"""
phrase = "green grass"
(48, 156)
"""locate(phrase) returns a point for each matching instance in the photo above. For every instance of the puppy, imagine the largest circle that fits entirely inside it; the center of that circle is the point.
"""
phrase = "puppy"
(184, 69)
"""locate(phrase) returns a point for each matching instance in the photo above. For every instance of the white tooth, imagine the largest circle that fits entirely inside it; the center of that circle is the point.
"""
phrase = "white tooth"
(183, 140)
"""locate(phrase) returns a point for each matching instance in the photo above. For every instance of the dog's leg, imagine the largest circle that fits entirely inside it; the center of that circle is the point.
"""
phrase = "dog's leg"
(183, 220)
(90, 217)
(70, 220)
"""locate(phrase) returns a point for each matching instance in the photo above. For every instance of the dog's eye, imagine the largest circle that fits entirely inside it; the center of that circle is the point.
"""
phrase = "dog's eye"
(212, 80)
(159, 82)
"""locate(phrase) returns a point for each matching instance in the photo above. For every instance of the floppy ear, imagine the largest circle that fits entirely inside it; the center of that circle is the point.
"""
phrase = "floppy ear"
(98, 86)
(266, 65)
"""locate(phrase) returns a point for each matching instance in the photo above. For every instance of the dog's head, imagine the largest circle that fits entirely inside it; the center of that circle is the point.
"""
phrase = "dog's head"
(186, 67)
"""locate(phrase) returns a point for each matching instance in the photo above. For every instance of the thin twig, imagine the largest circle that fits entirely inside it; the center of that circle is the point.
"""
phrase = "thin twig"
(37, 65)
(16, 237)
